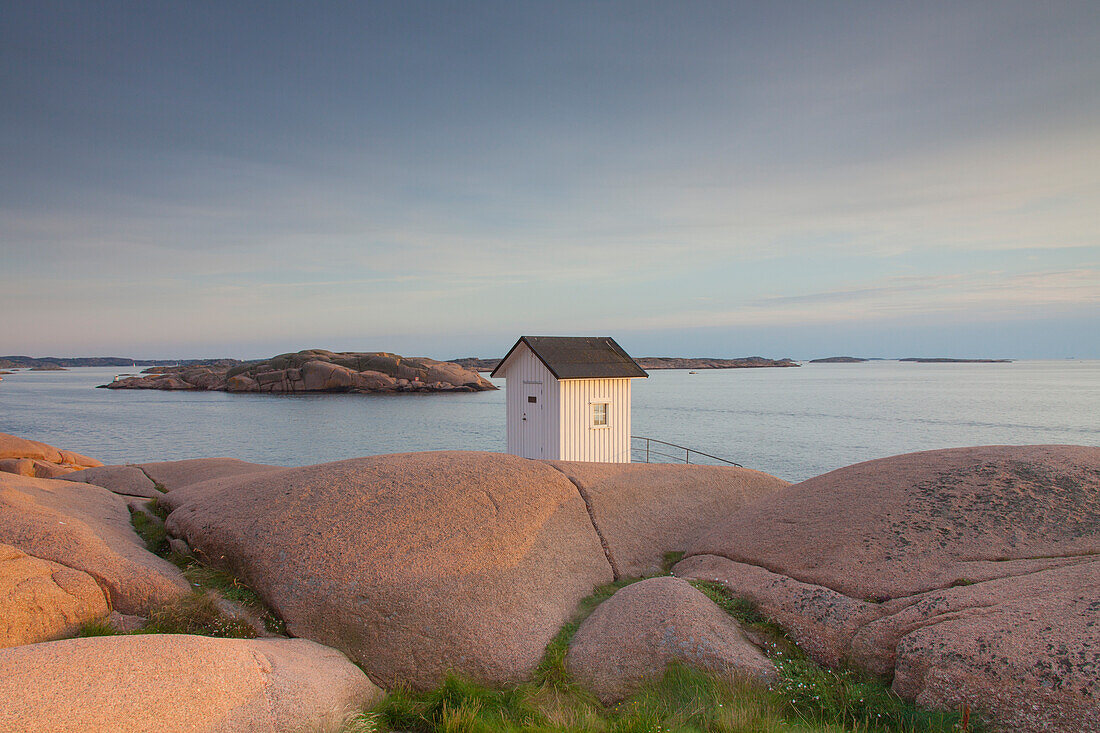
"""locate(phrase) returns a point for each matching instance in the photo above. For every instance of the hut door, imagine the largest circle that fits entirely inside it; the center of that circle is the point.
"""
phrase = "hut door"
(532, 426)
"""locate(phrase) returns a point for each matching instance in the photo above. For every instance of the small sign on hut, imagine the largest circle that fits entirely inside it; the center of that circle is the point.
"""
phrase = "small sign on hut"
(568, 398)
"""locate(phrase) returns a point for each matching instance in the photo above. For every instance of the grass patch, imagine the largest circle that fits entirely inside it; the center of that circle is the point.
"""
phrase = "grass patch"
(99, 627)
(193, 614)
(231, 588)
(683, 699)
(552, 670)
(806, 699)
(741, 609)
(199, 612)
(196, 614)
(151, 530)
(670, 559)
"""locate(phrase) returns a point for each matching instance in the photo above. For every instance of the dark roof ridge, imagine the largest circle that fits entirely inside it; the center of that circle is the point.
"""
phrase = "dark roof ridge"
(579, 357)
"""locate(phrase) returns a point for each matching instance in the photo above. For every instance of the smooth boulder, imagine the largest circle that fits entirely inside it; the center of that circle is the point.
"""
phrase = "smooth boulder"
(969, 575)
(154, 683)
(42, 600)
(125, 480)
(39, 460)
(412, 564)
(907, 524)
(644, 510)
(633, 636)
(177, 474)
(87, 528)
(33, 468)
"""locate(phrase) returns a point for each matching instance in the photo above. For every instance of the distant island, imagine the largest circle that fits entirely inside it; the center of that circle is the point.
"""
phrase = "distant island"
(314, 370)
(51, 362)
(941, 360)
(918, 359)
(659, 362)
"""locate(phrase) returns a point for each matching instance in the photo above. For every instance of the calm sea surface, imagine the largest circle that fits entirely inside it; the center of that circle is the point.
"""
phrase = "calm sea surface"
(794, 423)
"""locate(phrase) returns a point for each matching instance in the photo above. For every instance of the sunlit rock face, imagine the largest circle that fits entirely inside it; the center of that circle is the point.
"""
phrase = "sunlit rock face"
(38, 460)
(87, 528)
(644, 627)
(415, 564)
(179, 682)
(972, 575)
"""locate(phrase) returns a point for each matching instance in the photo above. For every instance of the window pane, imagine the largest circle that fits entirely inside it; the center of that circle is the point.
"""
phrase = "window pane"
(599, 413)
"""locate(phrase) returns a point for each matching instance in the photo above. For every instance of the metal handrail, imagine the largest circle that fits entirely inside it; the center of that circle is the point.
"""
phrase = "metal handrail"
(687, 451)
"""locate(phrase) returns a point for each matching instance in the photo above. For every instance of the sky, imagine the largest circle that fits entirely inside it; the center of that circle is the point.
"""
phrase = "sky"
(789, 179)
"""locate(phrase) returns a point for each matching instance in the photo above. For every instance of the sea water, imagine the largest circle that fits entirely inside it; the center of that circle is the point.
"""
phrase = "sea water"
(791, 422)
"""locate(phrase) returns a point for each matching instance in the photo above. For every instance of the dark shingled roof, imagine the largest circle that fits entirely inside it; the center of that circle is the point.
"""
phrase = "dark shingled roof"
(579, 357)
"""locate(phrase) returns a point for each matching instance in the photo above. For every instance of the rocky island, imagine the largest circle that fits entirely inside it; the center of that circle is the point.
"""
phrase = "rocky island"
(315, 370)
(838, 360)
(963, 580)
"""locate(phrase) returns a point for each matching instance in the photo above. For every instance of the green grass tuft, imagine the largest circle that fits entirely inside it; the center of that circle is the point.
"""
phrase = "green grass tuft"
(151, 531)
(99, 627)
(552, 671)
(193, 614)
(683, 699)
(233, 589)
(197, 614)
(155, 535)
(670, 559)
(741, 609)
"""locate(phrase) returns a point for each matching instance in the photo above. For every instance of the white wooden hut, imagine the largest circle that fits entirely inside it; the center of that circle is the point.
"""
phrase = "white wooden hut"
(569, 398)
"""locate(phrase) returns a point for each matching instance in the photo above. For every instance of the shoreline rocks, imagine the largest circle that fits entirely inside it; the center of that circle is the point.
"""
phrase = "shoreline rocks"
(34, 459)
(659, 362)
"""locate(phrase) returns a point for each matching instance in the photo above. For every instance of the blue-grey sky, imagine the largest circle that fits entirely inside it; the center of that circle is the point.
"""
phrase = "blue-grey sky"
(788, 179)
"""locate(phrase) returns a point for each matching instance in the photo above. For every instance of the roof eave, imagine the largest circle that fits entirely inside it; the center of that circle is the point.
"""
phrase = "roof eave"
(523, 340)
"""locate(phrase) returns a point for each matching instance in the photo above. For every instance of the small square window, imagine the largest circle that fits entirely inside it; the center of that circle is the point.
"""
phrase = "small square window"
(599, 414)
(532, 398)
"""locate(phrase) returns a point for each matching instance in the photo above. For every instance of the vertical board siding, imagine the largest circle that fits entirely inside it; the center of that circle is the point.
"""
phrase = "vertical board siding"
(579, 440)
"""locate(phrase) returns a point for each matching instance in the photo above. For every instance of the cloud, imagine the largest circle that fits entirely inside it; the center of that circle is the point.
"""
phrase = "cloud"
(974, 297)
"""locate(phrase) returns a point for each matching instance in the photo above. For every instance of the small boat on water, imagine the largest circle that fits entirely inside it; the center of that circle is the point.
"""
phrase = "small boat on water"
(693, 372)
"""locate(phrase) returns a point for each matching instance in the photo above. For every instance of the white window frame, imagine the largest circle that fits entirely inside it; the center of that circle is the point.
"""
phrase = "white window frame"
(606, 414)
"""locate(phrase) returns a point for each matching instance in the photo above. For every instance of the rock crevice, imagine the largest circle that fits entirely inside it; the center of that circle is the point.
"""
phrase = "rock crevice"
(616, 573)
